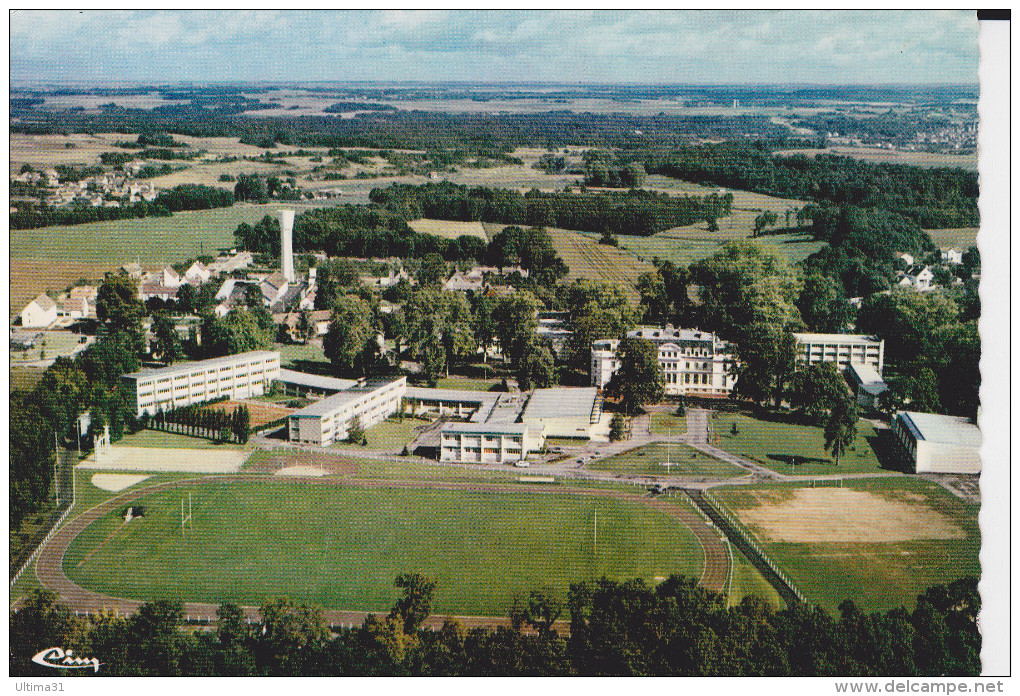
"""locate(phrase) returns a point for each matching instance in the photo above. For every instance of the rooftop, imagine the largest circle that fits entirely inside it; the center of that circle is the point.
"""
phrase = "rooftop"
(201, 364)
(834, 338)
(316, 381)
(866, 374)
(669, 333)
(502, 428)
(332, 403)
(561, 402)
(935, 427)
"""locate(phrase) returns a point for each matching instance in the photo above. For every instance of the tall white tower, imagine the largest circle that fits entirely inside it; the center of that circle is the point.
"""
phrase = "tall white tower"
(286, 244)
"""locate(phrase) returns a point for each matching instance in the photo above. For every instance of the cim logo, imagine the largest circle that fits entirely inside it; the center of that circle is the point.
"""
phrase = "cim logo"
(59, 659)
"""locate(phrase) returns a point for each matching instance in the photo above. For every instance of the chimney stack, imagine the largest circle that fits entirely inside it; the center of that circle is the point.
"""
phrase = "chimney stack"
(286, 244)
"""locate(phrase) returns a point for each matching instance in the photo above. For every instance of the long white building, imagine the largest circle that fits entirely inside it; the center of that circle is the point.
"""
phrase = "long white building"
(939, 444)
(233, 376)
(842, 349)
(329, 420)
(692, 361)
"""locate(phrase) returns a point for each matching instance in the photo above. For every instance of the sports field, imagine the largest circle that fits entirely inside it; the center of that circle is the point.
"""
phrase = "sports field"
(879, 542)
(650, 461)
(341, 547)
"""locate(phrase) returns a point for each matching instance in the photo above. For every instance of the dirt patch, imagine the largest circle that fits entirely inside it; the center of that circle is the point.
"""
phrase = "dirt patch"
(300, 471)
(116, 482)
(330, 463)
(200, 461)
(820, 515)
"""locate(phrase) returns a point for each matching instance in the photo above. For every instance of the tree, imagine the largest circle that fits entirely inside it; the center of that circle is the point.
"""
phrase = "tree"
(241, 424)
(355, 433)
(40, 622)
(167, 344)
(349, 342)
(535, 368)
(305, 328)
(617, 428)
(415, 603)
(332, 280)
(433, 270)
(438, 317)
(292, 634)
(823, 305)
(597, 310)
(639, 380)
(251, 187)
(515, 323)
(815, 389)
(766, 359)
(118, 307)
(840, 428)
(242, 329)
(766, 219)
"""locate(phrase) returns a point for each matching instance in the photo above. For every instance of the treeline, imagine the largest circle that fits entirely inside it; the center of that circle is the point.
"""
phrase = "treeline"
(634, 212)
(204, 422)
(345, 106)
(932, 197)
(417, 130)
(616, 629)
(179, 198)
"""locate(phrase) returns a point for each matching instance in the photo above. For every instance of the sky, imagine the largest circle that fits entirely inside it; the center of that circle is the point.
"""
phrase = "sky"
(646, 47)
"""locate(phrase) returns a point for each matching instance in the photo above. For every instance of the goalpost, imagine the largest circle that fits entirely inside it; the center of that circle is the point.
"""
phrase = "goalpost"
(186, 517)
(101, 445)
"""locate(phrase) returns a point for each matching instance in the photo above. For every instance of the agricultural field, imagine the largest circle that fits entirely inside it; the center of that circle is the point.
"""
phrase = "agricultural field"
(586, 258)
(793, 449)
(960, 237)
(149, 241)
(649, 460)
(879, 542)
(341, 547)
(31, 276)
(449, 229)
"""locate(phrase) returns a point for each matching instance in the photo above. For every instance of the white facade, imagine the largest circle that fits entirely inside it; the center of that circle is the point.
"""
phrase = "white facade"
(234, 376)
(484, 443)
(287, 244)
(39, 313)
(842, 349)
(953, 257)
(329, 420)
(939, 444)
(692, 361)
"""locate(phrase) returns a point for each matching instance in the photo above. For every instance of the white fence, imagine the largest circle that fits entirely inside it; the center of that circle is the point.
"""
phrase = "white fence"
(35, 554)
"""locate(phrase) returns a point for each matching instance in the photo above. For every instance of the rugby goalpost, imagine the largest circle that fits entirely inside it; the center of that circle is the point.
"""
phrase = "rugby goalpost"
(186, 517)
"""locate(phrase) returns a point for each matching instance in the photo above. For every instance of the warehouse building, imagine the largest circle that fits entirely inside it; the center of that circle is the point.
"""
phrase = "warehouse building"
(842, 349)
(233, 376)
(939, 444)
(329, 420)
(692, 361)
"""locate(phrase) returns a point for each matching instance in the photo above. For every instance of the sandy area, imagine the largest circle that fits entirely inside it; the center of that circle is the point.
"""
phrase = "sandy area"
(116, 482)
(198, 461)
(300, 471)
(819, 515)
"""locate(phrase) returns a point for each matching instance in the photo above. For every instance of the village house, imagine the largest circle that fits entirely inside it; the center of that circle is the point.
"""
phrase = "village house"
(39, 313)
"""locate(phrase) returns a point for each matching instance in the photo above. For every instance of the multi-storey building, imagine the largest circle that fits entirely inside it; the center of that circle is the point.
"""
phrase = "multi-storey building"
(233, 376)
(329, 420)
(484, 443)
(842, 349)
(692, 361)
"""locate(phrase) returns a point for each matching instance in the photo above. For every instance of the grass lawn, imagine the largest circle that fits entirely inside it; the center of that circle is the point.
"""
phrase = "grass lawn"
(665, 423)
(291, 352)
(342, 547)
(57, 343)
(748, 581)
(466, 383)
(932, 538)
(389, 435)
(648, 461)
(161, 439)
(775, 444)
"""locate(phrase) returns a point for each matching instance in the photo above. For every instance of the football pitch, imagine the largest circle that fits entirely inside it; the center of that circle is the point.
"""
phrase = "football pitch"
(341, 547)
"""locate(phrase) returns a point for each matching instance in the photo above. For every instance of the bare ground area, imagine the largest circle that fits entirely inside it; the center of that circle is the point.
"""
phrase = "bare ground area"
(200, 461)
(820, 515)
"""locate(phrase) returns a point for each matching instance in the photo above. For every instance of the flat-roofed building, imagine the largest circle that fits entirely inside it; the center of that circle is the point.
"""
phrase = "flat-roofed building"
(233, 376)
(939, 444)
(329, 420)
(692, 361)
(574, 412)
(304, 384)
(866, 383)
(842, 349)
(485, 443)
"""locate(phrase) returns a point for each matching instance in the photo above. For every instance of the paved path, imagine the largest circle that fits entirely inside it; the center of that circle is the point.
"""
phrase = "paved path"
(50, 571)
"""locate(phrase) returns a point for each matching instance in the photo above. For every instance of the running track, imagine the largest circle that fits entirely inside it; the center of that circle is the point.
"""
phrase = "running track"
(50, 571)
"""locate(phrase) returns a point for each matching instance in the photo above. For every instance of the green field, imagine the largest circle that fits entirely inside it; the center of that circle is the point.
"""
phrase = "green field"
(163, 440)
(466, 383)
(342, 547)
(748, 581)
(57, 343)
(881, 557)
(685, 461)
(665, 423)
(389, 435)
(778, 445)
(148, 241)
